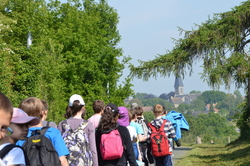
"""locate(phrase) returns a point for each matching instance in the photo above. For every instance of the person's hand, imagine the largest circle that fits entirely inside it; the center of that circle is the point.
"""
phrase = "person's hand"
(178, 143)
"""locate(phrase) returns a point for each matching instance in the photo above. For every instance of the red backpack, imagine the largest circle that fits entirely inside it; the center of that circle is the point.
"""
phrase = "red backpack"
(111, 146)
(159, 140)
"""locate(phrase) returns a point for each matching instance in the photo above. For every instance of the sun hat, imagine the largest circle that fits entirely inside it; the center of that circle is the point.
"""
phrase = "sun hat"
(74, 98)
(123, 118)
(21, 117)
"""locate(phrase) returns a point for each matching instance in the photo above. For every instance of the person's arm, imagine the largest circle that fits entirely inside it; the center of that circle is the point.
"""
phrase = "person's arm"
(129, 148)
(92, 141)
(64, 161)
(172, 133)
(139, 155)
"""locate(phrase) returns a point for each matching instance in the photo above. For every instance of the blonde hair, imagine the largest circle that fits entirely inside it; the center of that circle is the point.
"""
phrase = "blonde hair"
(32, 106)
(158, 110)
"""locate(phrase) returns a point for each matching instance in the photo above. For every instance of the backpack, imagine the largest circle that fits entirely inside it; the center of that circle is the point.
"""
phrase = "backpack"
(78, 144)
(159, 141)
(111, 146)
(40, 150)
(143, 125)
(8, 148)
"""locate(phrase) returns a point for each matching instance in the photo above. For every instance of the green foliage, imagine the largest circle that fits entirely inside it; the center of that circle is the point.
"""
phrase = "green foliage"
(148, 116)
(194, 92)
(198, 105)
(210, 97)
(153, 101)
(74, 50)
(209, 126)
(140, 96)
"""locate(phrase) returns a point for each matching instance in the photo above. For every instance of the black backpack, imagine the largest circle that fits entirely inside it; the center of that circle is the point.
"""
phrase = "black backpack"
(40, 150)
(8, 148)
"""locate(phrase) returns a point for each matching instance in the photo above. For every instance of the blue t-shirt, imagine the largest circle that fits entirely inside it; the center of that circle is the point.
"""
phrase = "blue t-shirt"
(55, 136)
(137, 127)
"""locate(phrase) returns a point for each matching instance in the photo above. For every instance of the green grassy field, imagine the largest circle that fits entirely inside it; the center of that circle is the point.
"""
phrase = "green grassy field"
(234, 154)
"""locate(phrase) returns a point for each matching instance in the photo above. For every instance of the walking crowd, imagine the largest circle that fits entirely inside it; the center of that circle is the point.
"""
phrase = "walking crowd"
(113, 136)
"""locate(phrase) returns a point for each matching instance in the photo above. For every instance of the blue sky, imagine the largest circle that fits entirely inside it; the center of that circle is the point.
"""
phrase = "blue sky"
(147, 28)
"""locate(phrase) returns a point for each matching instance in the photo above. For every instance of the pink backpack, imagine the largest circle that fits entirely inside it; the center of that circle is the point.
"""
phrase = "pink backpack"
(111, 145)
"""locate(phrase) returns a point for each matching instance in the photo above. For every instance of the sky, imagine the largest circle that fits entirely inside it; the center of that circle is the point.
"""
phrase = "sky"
(147, 29)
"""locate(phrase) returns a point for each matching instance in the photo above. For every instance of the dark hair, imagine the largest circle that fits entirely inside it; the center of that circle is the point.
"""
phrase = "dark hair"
(164, 110)
(133, 113)
(98, 106)
(108, 119)
(74, 109)
(138, 111)
(5, 104)
(45, 105)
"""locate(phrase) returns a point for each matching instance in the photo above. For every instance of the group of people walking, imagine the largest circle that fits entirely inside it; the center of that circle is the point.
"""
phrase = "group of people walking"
(113, 136)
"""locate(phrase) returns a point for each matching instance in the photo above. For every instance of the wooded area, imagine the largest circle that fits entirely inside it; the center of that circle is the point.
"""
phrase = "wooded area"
(73, 51)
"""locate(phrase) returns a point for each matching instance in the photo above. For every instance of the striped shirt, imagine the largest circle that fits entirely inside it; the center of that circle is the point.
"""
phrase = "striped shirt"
(168, 128)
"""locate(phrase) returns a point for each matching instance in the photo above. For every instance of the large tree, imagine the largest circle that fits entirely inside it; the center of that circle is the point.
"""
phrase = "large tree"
(221, 43)
(74, 50)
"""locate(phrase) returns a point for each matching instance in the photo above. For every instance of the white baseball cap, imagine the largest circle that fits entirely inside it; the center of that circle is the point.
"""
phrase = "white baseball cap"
(74, 98)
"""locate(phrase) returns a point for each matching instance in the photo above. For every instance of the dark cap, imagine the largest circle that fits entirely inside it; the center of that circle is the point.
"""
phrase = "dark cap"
(113, 107)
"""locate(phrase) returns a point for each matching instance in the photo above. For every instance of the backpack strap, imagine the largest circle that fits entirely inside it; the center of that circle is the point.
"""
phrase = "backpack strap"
(42, 131)
(154, 128)
(9, 147)
(6, 150)
(47, 124)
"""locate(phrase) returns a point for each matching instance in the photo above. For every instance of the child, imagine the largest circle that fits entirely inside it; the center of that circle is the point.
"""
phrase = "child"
(34, 107)
(107, 124)
(19, 127)
(98, 107)
(45, 113)
(142, 144)
(6, 110)
(74, 113)
(158, 110)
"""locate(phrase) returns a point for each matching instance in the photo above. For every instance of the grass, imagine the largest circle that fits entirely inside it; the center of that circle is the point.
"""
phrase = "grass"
(234, 154)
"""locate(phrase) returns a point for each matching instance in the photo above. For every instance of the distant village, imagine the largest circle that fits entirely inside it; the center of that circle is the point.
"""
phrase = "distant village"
(178, 97)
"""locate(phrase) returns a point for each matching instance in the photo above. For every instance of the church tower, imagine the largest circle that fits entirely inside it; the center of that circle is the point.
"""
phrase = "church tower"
(178, 86)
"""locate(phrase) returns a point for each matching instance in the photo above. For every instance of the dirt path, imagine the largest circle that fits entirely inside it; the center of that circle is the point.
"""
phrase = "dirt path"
(179, 153)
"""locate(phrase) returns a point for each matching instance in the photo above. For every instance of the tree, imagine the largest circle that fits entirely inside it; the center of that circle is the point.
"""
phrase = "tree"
(221, 43)
(198, 105)
(140, 95)
(167, 96)
(210, 97)
(74, 50)
(194, 92)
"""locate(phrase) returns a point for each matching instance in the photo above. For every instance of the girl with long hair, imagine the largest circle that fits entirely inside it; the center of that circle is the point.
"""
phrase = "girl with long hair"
(107, 124)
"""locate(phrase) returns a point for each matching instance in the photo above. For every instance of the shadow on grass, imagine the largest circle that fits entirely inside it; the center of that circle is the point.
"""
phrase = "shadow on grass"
(237, 154)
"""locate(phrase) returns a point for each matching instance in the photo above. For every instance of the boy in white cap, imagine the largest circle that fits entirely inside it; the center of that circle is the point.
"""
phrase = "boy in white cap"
(17, 130)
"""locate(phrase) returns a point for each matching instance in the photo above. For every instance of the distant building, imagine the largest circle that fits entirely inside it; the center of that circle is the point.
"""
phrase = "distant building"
(179, 96)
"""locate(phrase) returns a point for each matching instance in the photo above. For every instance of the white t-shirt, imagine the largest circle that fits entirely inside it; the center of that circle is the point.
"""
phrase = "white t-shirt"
(132, 132)
(14, 157)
